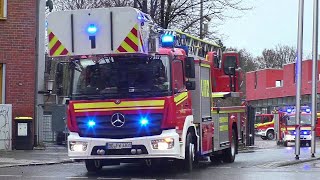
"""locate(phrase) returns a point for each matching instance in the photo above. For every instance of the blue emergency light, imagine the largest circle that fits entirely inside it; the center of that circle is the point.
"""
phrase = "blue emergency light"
(91, 123)
(92, 29)
(167, 40)
(144, 121)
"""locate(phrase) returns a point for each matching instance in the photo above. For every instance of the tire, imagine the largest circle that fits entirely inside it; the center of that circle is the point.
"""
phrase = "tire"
(229, 154)
(270, 135)
(285, 143)
(264, 137)
(189, 160)
(93, 165)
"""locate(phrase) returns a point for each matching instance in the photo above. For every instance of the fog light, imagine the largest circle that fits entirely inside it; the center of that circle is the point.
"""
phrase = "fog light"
(163, 144)
(78, 146)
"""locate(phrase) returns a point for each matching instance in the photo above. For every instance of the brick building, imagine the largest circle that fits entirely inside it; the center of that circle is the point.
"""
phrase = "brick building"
(269, 88)
(18, 24)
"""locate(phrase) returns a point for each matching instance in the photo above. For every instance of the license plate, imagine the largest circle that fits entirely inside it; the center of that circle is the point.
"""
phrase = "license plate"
(126, 145)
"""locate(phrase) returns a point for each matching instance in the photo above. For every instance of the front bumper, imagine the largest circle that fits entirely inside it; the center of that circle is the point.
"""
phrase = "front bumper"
(261, 133)
(291, 138)
(145, 142)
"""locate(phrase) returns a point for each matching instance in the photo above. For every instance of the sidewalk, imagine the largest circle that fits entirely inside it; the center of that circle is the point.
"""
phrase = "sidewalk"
(51, 154)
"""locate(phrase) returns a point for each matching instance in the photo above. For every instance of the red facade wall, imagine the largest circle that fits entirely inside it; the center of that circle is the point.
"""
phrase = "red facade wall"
(266, 85)
(18, 53)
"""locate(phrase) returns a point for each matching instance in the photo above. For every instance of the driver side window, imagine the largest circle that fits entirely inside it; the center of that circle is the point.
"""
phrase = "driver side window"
(178, 80)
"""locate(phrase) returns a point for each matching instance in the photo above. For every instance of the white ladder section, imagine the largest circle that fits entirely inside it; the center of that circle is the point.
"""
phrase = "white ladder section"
(196, 46)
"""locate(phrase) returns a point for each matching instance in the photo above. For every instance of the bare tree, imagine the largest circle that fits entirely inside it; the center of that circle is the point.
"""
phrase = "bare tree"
(175, 14)
(277, 57)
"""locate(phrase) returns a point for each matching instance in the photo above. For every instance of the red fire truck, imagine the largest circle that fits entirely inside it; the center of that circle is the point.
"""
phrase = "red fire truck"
(139, 92)
(264, 126)
(287, 122)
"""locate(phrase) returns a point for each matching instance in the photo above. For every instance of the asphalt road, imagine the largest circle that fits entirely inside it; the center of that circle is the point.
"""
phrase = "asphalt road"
(258, 164)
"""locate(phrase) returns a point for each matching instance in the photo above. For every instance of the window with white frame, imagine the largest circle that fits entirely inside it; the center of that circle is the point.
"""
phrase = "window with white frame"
(278, 83)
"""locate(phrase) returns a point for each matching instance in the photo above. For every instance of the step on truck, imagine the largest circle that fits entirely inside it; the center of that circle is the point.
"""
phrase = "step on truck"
(142, 93)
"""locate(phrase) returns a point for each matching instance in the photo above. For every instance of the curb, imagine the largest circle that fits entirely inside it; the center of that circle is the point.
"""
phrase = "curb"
(283, 164)
(66, 161)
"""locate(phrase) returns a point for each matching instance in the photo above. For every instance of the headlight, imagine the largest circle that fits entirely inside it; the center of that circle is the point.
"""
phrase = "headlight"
(163, 144)
(78, 146)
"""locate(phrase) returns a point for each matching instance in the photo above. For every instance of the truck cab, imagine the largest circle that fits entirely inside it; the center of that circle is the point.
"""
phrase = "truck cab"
(264, 126)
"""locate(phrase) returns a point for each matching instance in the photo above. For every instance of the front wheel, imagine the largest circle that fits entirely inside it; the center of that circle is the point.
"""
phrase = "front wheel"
(229, 154)
(189, 154)
(93, 165)
(270, 135)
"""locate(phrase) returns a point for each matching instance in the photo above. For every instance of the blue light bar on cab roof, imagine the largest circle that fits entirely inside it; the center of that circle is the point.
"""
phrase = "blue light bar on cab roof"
(92, 29)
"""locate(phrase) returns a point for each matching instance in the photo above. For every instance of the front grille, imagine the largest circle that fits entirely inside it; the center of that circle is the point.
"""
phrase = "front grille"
(103, 127)
(119, 151)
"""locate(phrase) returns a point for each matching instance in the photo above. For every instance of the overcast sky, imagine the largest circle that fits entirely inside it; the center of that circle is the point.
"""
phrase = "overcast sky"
(271, 22)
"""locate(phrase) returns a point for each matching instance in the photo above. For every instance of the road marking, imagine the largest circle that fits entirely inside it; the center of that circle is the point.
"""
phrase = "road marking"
(10, 175)
(44, 176)
(220, 167)
(75, 177)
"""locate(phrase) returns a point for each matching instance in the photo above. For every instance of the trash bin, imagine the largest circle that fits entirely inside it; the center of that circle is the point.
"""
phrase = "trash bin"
(23, 133)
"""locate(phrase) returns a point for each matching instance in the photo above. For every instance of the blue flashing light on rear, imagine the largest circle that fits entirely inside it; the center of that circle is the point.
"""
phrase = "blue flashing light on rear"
(289, 110)
(305, 132)
(92, 29)
(144, 121)
(91, 123)
(308, 110)
(167, 38)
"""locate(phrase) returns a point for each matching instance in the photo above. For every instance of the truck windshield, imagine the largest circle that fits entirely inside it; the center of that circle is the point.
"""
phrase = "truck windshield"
(305, 120)
(258, 120)
(121, 77)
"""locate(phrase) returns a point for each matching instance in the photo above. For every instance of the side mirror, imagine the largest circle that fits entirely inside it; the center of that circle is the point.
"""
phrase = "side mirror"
(191, 85)
(190, 68)
(59, 79)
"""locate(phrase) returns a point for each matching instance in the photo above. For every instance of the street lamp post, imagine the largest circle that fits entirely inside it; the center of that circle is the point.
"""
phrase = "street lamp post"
(298, 75)
(314, 75)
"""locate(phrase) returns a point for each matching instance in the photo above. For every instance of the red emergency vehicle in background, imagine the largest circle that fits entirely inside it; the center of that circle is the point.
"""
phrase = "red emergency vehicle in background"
(139, 92)
(287, 122)
(264, 126)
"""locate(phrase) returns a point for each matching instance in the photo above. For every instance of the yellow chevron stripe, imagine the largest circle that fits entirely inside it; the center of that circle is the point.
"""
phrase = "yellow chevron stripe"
(119, 109)
(180, 97)
(227, 111)
(59, 50)
(133, 38)
(125, 104)
(127, 47)
(53, 41)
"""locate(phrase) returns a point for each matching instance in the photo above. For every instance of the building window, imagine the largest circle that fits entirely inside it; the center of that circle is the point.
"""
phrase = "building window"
(278, 83)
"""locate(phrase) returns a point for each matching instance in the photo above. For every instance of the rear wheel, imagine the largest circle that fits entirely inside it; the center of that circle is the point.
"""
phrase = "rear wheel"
(285, 143)
(229, 154)
(93, 165)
